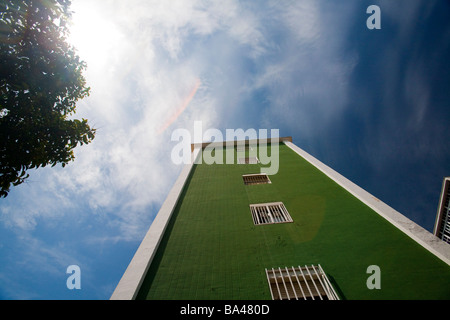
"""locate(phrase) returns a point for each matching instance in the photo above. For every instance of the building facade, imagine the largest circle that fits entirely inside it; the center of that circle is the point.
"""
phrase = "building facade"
(231, 232)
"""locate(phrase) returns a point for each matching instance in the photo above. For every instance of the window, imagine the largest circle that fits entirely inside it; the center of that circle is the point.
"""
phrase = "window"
(243, 148)
(260, 178)
(248, 160)
(444, 231)
(269, 213)
(307, 283)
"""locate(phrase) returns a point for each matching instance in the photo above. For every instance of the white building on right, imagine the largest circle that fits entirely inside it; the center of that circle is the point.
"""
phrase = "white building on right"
(442, 224)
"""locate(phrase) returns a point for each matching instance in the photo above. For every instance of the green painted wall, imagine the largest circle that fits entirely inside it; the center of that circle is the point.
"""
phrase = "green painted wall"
(212, 250)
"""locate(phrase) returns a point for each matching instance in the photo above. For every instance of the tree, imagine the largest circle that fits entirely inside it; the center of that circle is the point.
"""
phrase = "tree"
(40, 82)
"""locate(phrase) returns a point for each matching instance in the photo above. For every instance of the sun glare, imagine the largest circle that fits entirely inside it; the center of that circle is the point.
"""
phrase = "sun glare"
(91, 33)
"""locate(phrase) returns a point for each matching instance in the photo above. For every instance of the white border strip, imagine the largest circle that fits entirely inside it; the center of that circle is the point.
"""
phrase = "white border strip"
(413, 230)
(134, 275)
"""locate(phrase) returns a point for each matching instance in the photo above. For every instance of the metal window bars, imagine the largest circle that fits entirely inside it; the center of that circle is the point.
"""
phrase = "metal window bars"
(269, 213)
(308, 283)
(258, 178)
(445, 225)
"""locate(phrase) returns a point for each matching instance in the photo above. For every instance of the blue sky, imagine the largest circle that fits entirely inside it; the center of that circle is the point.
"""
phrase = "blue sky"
(372, 104)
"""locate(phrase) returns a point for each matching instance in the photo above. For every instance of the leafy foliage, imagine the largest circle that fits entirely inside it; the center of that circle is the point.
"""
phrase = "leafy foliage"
(40, 82)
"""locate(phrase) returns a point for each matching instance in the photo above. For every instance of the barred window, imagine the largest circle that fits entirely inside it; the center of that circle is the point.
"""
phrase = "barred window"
(307, 283)
(269, 213)
(260, 178)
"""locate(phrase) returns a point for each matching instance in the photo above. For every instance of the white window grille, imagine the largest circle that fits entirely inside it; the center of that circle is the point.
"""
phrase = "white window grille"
(259, 178)
(444, 232)
(269, 213)
(307, 283)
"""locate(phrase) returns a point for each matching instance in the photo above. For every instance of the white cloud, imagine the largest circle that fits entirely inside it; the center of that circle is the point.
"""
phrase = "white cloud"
(406, 92)
(142, 65)
(144, 58)
(307, 81)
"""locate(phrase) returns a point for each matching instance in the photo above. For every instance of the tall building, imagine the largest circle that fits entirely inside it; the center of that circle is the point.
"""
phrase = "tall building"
(442, 224)
(231, 232)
